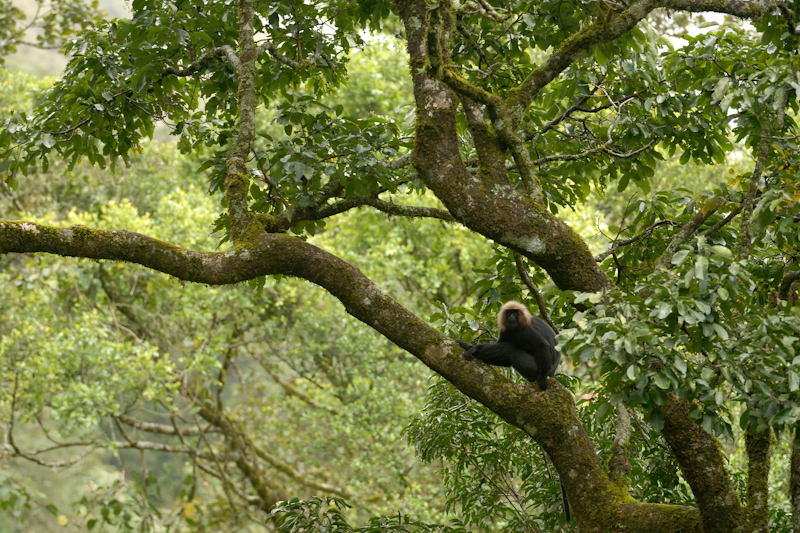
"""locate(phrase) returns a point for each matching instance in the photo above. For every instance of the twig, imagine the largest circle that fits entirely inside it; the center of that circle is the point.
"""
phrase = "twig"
(618, 244)
(523, 273)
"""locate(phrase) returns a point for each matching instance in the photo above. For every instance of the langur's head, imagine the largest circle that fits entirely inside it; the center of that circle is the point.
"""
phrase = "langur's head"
(513, 315)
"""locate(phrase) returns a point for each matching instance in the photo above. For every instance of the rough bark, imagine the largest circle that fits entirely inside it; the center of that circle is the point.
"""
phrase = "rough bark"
(704, 467)
(759, 447)
(237, 179)
(794, 482)
(488, 203)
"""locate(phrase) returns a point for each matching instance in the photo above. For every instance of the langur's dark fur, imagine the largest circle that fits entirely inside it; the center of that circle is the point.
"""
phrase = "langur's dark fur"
(526, 343)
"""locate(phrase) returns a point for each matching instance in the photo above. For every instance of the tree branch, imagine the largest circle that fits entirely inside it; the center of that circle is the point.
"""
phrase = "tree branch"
(625, 242)
(794, 480)
(549, 417)
(208, 57)
(787, 285)
(758, 446)
(489, 205)
(619, 465)
(689, 229)
(746, 9)
(703, 465)
(237, 179)
(579, 45)
(526, 279)
(283, 59)
(162, 429)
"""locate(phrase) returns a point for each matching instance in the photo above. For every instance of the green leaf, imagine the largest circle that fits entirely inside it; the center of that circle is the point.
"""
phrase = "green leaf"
(777, 100)
(600, 56)
(722, 252)
(656, 420)
(719, 89)
(588, 354)
(680, 365)
(529, 20)
(48, 140)
(765, 217)
(701, 267)
(679, 256)
(664, 309)
(603, 410)
(662, 381)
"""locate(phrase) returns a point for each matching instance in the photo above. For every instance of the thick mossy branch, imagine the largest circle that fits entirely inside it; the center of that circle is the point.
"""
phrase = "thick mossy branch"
(237, 180)
(548, 416)
(794, 480)
(704, 466)
(759, 447)
(582, 43)
(488, 203)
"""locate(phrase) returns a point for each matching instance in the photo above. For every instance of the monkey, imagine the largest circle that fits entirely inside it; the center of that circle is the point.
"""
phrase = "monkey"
(526, 343)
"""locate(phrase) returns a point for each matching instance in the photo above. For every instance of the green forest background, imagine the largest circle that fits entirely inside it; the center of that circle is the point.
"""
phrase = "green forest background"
(116, 354)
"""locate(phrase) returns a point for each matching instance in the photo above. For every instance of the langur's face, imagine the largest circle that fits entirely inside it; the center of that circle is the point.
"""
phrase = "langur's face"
(512, 319)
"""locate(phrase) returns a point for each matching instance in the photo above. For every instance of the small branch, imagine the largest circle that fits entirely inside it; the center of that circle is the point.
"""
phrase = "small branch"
(641, 429)
(155, 447)
(244, 451)
(401, 162)
(738, 8)
(487, 10)
(390, 208)
(58, 465)
(203, 61)
(749, 203)
(291, 390)
(719, 225)
(283, 59)
(13, 197)
(688, 230)
(559, 119)
(162, 429)
(526, 279)
(619, 244)
(299, 476)
(619, 466)
(279, 57)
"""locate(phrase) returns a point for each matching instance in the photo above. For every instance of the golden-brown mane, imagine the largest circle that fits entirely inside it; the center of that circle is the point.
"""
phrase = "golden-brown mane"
(524, 315)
